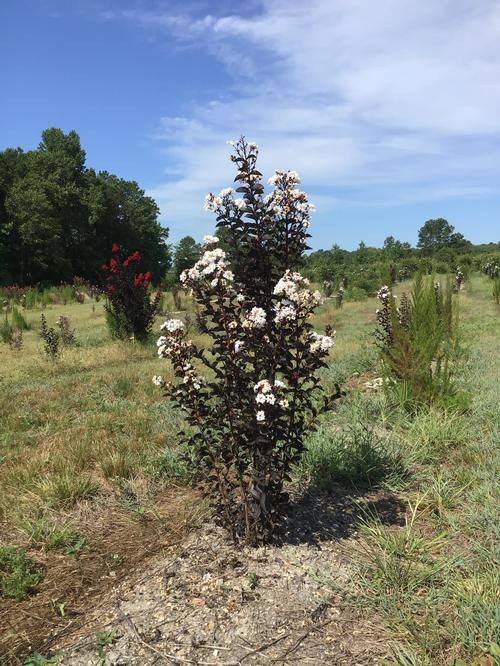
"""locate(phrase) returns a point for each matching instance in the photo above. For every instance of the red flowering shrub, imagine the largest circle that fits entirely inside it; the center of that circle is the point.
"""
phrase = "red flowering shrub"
(129, 310)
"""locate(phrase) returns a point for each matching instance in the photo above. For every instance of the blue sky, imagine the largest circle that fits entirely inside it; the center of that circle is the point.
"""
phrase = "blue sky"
(389, 110)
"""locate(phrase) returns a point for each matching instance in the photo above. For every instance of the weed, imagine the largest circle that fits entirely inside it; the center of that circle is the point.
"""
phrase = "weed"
(117, 465)
(496, 290)
(399, 562)
(39, 660)
(6, 330)
(53, 537)
(252, 580)
(66, 489)
(18, 573)
(16, 340)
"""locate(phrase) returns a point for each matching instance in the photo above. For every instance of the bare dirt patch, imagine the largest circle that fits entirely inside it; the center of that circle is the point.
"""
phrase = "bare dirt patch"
(209, 603)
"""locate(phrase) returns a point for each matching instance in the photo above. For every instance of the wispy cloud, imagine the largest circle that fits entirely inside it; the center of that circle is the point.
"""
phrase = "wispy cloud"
(373, 102)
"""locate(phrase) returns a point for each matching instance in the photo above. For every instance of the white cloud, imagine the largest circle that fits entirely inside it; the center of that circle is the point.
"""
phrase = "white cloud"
(376, 102)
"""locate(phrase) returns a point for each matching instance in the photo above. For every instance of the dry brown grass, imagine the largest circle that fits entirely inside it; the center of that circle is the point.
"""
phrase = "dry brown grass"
(116, 544)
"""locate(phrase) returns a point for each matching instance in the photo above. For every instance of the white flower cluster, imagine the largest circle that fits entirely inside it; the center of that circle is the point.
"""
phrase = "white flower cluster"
(269, 394)
(383, 294)
(172, 325)
(191, 378)
(298, 299)
(252, 145)
(290, 284)
(214, 202)
(210, 240)
(256, 318)
(285, 176)
(286, 200)
(158, 380)
(211, 269)
(320, 344)
(172, 344)
(285, 311)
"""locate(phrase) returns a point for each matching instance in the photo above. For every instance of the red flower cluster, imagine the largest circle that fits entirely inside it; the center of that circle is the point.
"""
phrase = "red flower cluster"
(143, 279)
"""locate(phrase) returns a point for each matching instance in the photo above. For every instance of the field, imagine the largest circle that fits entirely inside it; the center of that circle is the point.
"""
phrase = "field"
(94, 493)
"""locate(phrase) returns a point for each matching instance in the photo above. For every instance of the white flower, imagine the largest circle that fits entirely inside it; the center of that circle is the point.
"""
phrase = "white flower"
(253, 146)
(240, 204)
(226, 192)
(320, 343)
(260, 398)
(238, 345)
(383, 293)
(209, 269)
(157, 380)
(210, 240)
(260, 416)
(240, 298)
(279, 384)
(283, 403)
(264, 385)
(270, 398)
(172, 326)
(228, 275)
(275, 177)
(285, 312)
(256, 318)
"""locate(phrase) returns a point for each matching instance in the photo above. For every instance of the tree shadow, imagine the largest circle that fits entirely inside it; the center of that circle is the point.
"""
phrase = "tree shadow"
(315, 517)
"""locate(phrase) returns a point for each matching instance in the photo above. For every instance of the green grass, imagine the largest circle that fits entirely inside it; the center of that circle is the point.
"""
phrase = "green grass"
(353, 456)
(435, 580)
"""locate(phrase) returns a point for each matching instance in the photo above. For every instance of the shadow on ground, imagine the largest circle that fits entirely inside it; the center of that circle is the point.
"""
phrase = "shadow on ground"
(314, 518)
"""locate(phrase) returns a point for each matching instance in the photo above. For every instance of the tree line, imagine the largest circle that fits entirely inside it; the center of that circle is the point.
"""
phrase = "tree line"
(59, 218)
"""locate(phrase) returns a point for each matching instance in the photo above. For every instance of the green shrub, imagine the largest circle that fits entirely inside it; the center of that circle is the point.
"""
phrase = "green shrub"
(6, 330)
(420, 345)
(18, 321)
(18, 573)
(66, 294)
(356, 294)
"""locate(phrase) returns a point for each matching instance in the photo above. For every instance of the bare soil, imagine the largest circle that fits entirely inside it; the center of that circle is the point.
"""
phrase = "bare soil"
(207, 602)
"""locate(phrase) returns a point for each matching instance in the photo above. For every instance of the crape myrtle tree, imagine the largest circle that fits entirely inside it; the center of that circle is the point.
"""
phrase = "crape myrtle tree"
(130, 312)
(252, 396)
